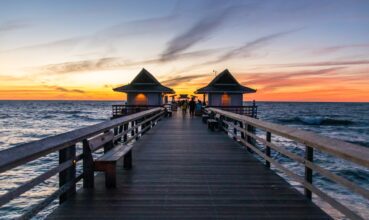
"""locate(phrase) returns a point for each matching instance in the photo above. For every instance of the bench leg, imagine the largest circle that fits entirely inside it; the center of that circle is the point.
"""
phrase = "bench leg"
(211, 126)
(127, 160)
(110, 176)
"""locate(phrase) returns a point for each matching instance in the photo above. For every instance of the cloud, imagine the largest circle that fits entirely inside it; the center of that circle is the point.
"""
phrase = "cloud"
(333, 49)
(110, 63)
(245, 50)
(82, 66)
(273, 80)
(103, 37)
(198, 32)
(249, 47)
(62, 89)
(177, 80)
(323, 63)
(12, 25)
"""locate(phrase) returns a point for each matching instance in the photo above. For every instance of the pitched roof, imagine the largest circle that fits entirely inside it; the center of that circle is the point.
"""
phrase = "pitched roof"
(225, 82)
(144, 82)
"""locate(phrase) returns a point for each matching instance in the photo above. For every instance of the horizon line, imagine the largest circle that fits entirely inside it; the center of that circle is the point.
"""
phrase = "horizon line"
(109, 100)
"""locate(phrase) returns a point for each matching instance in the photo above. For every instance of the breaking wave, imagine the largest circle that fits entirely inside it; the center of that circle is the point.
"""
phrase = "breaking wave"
(310, 120)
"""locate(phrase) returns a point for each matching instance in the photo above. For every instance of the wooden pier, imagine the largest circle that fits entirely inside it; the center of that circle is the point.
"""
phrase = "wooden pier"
(181, 170)
(177, 168)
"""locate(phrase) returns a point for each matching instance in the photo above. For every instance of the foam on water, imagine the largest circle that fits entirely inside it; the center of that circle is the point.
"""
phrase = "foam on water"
(25, 121)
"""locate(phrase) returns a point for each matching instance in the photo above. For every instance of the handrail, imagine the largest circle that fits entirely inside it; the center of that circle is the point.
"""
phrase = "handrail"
(348, 151)
(354, 153)
(248, 110)
(15, 156)
(66, 145)
(123, 109)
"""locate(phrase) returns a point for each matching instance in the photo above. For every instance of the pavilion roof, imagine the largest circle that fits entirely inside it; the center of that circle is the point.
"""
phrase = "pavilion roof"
(144, 82)
(225, 82)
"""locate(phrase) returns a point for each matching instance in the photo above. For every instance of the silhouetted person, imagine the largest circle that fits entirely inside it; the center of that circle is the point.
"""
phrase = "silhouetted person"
(184, 108)
(198, 108)
(192, 105)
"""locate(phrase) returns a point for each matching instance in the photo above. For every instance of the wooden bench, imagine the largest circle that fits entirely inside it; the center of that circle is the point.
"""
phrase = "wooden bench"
(205, 118)
(107, 162)
(213, 123)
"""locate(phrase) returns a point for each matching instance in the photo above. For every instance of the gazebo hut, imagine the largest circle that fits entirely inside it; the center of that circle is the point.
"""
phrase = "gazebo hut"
(144, 92)
(225, 92)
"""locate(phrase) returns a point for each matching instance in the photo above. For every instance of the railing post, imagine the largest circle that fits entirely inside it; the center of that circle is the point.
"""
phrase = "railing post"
(88, 166)
(253, 109)
(235, 130)
(242, 133)
(249, 140)
(136, 130)
(267, 148)
(309, 156)
(132, 127)
(125, 128)
(68, 174)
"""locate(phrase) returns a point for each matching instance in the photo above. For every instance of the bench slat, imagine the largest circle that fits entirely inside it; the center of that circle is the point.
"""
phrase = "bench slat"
(115, 154)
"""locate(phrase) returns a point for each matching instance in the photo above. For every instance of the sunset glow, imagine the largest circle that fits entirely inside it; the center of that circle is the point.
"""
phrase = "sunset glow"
(287, 50)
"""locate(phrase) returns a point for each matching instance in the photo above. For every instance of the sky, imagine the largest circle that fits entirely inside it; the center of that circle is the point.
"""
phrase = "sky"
(290, 50)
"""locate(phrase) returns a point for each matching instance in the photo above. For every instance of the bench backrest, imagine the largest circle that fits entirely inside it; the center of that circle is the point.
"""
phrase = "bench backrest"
(100, 140)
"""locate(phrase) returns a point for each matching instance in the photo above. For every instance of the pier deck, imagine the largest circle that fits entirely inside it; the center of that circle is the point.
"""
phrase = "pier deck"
(181, 170)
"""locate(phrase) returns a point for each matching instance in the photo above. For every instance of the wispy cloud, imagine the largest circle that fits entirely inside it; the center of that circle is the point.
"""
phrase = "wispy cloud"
(327, 50)
(103, 37)
(272, 80)
(63, 89)
(177, 80)
(12, 25)
(324, 63)
(200, 30)
(111, 63)
(82, 66)
(248, 48)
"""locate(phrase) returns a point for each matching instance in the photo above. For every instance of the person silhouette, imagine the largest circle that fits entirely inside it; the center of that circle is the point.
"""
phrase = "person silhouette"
(192, 105)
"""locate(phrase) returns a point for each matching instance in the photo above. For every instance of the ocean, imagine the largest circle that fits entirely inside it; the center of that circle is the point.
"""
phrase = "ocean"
(25, 121)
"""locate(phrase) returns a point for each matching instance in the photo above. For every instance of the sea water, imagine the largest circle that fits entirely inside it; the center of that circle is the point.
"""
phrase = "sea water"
(25, 121)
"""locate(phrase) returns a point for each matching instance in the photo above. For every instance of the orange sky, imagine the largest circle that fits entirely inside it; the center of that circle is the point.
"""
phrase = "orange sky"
(321, 84)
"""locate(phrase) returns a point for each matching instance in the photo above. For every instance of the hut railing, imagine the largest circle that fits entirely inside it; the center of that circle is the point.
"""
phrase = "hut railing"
(249, 110)
(243, 129)
(123, 110)
(67, 145)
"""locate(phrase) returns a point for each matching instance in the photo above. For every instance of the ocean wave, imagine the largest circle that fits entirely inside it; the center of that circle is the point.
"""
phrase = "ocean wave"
(311, 120)
(361, 143)
(4, 116)
(354, 175)
(86, 118)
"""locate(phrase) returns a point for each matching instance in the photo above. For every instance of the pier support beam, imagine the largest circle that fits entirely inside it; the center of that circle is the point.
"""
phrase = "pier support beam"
(309, 155)
(88, 166)
(68, 174)
(267, 148)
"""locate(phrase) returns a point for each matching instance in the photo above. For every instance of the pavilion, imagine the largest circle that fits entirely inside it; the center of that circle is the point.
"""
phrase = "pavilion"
(224, 90)
(144, 90)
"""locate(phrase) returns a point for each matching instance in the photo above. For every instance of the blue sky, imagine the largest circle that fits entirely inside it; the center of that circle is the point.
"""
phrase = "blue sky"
(95, 45)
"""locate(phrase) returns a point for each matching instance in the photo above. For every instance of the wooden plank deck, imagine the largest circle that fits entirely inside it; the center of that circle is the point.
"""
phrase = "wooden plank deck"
(183, 171)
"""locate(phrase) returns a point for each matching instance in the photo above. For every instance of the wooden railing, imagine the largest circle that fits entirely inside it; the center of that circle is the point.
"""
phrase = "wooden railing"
(123, 110)
(66, 145)
(250, 110)
(244, 131)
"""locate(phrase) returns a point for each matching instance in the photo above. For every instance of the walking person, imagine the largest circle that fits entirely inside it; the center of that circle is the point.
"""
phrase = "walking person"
(184, 108)
(192, 105)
